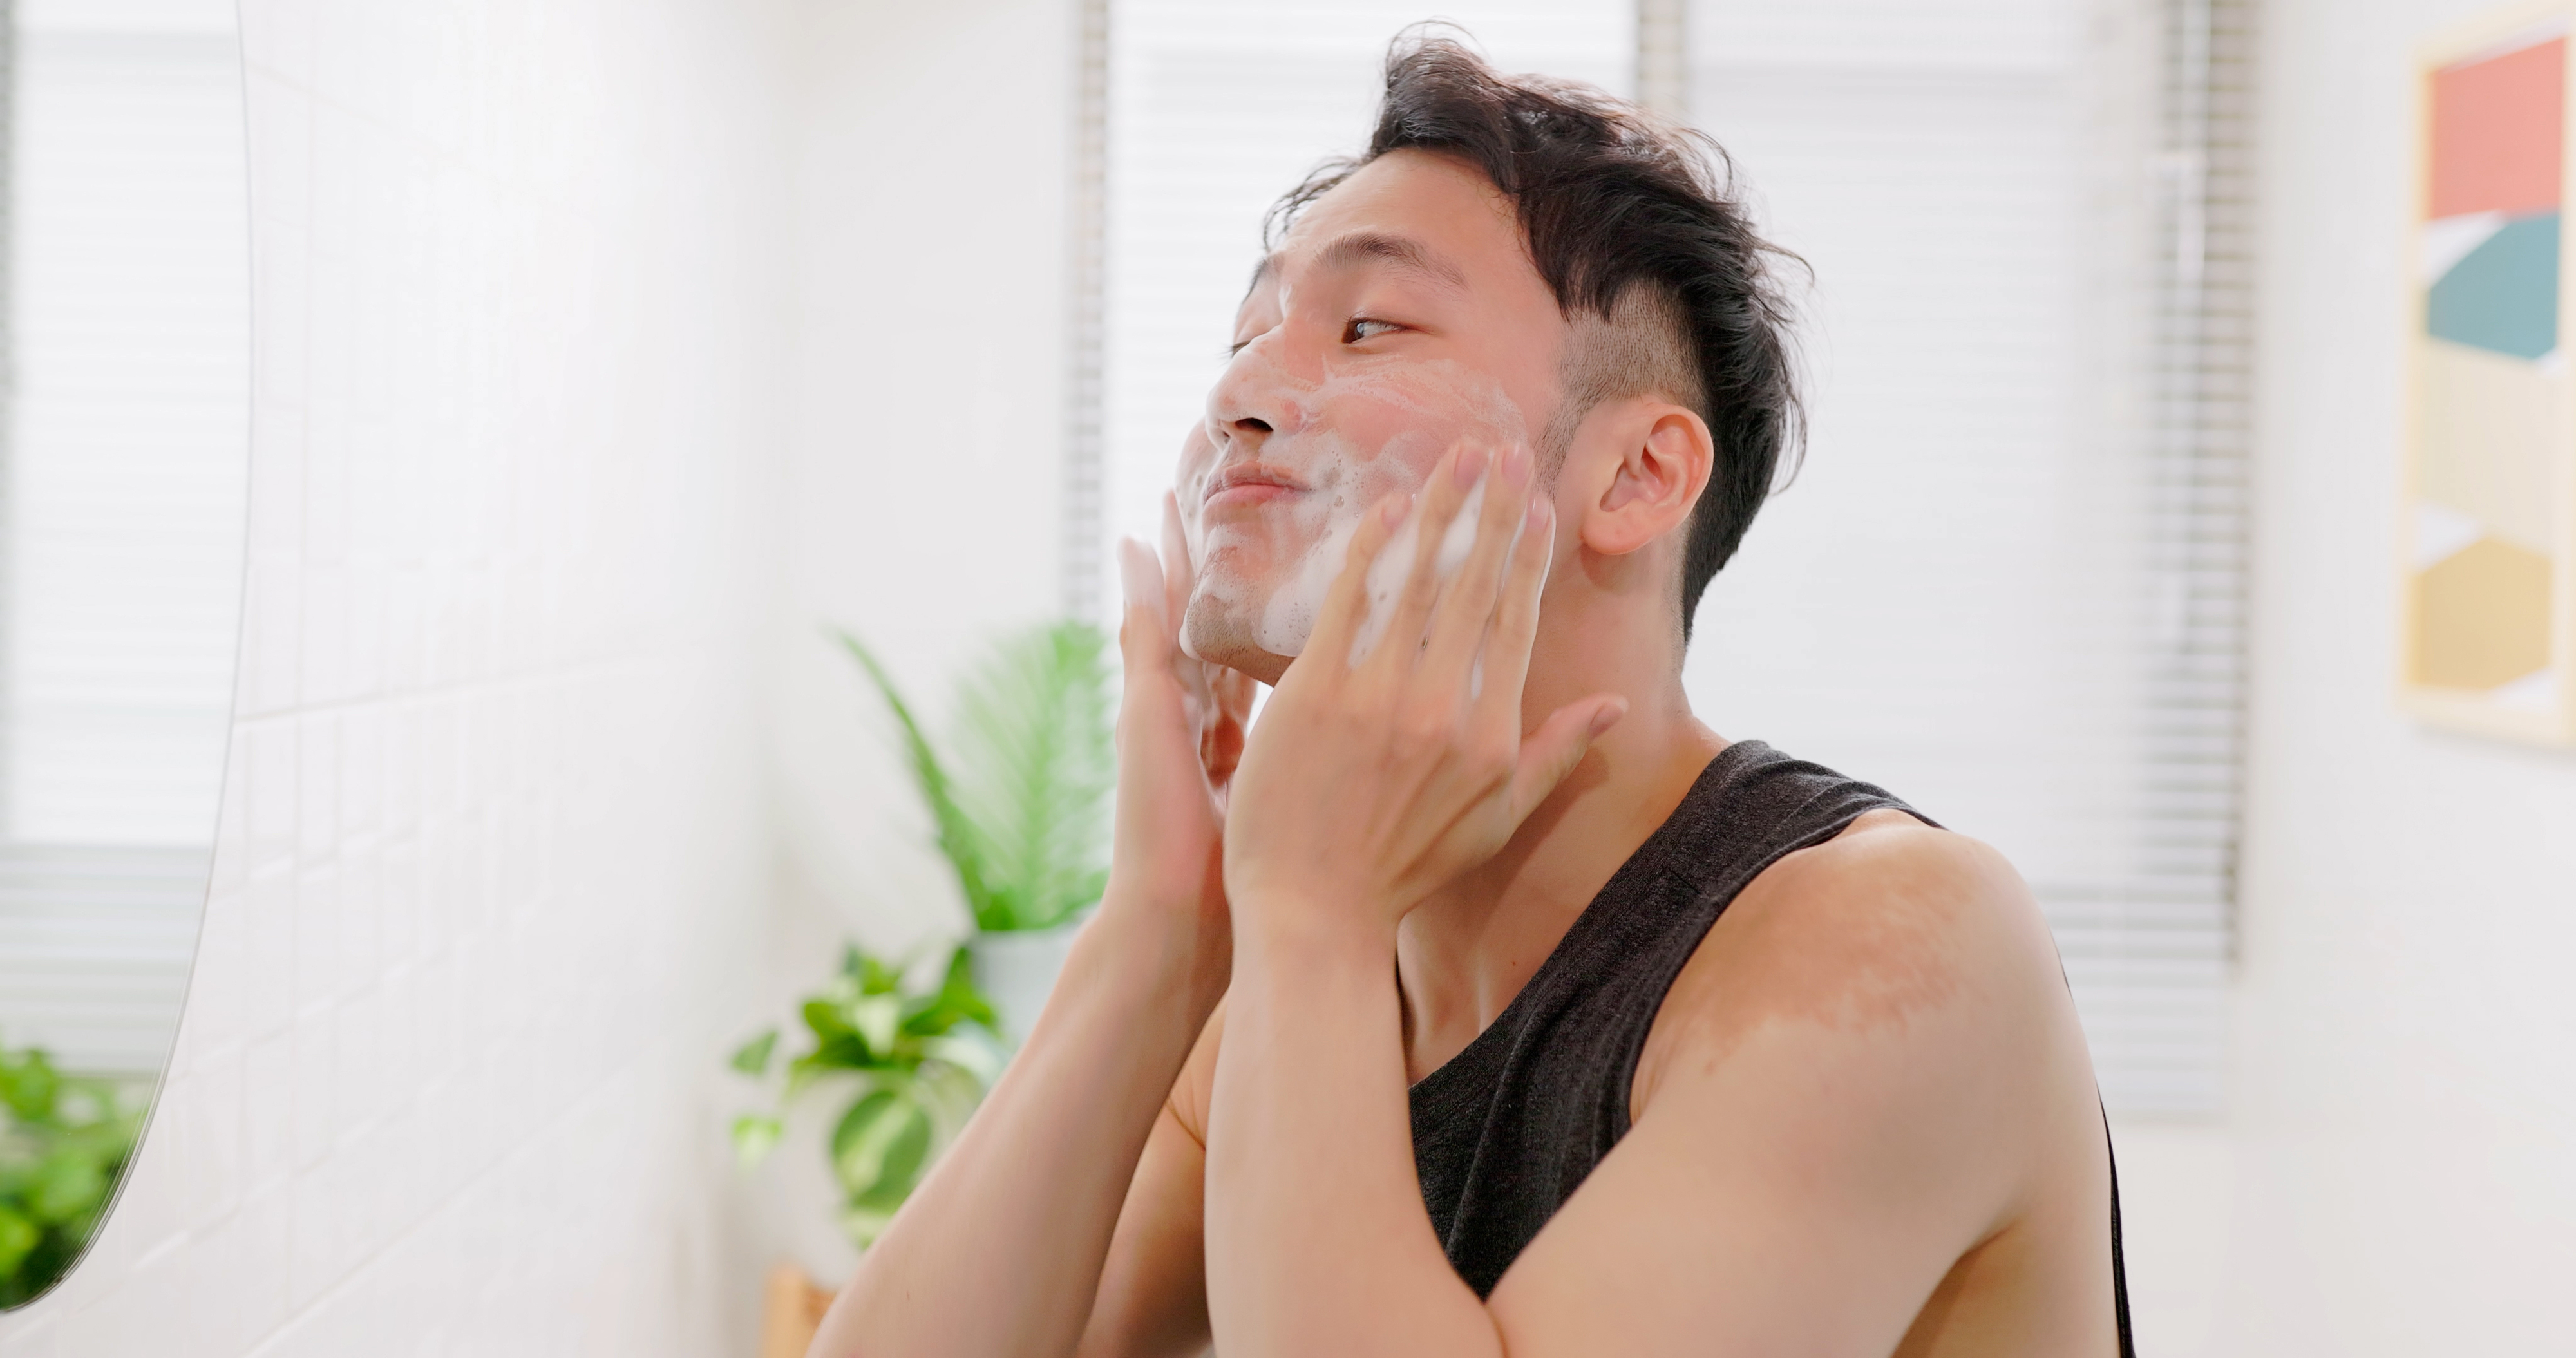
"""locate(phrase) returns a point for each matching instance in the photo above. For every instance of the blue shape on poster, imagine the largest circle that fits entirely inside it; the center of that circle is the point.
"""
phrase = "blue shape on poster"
(2503, 295)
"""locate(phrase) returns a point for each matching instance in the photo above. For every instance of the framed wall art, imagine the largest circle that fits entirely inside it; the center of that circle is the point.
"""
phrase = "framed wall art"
(2488, 557)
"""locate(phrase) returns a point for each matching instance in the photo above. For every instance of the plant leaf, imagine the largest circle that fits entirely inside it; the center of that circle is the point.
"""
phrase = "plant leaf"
(878, 1018)
(68, 1183)
(754, 1137)
(1033, 771)
(753, 1057)
(956, 1001)
(18, 1236)
(827, 1018)
(878, 977)
(29, 1084)
(882, 1137)
(956, 838)
(895, 1148)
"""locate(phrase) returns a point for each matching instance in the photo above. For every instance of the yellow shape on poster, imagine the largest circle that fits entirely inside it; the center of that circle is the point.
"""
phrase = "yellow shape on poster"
(2483, 616)
(2491, 423)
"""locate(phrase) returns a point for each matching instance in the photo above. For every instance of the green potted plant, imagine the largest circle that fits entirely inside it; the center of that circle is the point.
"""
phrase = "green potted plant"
(1019, 802)
(912, 1061)
(1019, 799)
(64, 1139)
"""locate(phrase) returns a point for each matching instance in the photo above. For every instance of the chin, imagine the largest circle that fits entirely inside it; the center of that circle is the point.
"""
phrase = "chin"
(1221, 633)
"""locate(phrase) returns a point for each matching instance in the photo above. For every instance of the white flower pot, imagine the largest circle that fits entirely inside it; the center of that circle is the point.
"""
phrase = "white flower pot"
(1017, 971)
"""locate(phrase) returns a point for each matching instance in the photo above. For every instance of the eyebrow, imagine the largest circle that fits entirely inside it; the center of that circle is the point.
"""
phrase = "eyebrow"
(1350, 251)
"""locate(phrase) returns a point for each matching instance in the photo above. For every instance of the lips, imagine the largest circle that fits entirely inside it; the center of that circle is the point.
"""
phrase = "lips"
(1249, 483)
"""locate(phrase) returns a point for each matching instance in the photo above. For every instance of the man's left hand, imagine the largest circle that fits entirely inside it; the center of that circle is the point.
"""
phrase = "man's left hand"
(1368, 786)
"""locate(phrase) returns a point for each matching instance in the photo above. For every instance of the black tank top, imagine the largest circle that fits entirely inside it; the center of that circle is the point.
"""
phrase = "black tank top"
(1506, 1131)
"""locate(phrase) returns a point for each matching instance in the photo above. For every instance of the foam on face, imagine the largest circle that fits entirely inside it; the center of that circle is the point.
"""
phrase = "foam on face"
(1432, 407)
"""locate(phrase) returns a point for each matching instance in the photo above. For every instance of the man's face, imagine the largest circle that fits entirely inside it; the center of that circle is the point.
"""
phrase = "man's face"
(1401, 317)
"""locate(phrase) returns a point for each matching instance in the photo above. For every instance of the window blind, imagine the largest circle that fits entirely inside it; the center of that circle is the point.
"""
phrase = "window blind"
(2008, 581)
(125, 477)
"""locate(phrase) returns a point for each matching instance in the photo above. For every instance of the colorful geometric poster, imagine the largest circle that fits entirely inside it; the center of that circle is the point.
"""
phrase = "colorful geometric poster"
(2487, 570)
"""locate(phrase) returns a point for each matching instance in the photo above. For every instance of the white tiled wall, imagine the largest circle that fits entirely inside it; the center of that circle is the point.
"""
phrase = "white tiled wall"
(493, 860)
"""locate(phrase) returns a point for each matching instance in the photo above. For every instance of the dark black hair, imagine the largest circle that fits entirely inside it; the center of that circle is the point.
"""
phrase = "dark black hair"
(1631, 219)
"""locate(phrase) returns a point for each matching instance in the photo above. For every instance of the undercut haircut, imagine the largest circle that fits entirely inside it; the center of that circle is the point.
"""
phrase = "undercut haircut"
(1637, 227)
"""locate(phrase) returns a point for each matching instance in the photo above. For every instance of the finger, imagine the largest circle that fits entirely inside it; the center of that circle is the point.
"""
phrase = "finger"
(1221, 744)
(1180, 573)
(1400, 645)
(1234, 693)
(1345, 607)
(1507, 648)
(1465, 613)
(1558, 745)
(1144, 629)
(1180, 578)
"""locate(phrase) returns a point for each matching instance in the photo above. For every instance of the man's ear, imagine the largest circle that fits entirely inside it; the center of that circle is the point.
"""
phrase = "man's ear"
(1645, 478)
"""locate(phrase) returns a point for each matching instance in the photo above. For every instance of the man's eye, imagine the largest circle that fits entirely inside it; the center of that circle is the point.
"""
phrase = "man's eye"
(1362, 328)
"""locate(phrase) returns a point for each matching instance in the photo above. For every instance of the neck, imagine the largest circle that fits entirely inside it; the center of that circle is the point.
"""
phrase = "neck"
(1464, 953)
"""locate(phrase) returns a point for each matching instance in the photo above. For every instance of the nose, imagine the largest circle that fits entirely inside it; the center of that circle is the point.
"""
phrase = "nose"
(1254, 398)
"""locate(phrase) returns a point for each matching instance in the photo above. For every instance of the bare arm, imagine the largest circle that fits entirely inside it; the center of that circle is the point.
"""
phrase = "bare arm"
(1003, 1248)
(1373, 780)
(1152, 1301)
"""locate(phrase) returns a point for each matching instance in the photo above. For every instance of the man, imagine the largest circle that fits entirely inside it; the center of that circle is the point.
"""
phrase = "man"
(1485, 1001)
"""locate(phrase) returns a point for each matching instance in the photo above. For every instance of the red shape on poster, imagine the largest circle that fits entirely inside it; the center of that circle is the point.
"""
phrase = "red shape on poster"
(2498, 132)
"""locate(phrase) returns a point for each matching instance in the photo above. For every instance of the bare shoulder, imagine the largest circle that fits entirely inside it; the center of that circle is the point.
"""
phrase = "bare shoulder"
(1893, 947)
(1866, 1089)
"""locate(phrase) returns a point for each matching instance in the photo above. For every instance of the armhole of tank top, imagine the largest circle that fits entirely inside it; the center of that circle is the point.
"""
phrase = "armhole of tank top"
(1623, 1092)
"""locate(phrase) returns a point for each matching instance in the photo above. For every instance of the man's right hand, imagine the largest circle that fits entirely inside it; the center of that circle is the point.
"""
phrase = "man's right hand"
(1065, 1217)
(1180, 733)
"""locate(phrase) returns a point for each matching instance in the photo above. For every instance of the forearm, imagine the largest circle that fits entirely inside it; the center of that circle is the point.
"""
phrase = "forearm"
(1317, 1238)
(1000, 1249)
